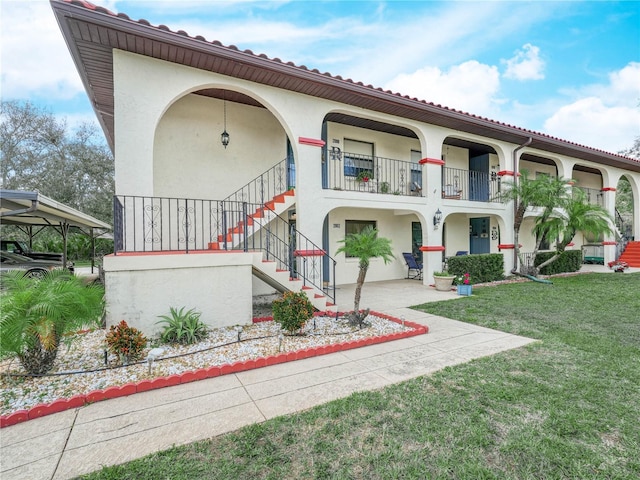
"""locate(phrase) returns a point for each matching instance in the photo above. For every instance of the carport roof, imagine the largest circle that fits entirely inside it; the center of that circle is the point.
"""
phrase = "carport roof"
(19, 207)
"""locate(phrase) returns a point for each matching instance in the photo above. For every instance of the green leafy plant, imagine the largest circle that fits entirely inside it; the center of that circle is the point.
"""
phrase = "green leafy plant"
(442, 274)
(364, 176)
(126, 342)
(364, 245)
(385, 187)
(182, 327)
(292, 310)
(37, 314)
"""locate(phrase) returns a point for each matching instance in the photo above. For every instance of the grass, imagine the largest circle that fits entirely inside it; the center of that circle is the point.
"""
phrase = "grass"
(564, 407)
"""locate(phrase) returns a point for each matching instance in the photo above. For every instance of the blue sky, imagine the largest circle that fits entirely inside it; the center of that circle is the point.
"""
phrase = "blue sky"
(569, 69)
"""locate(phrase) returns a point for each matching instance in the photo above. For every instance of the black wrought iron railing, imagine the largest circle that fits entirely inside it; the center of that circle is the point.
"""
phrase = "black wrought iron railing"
(459, 184)
(364, 173)
(278, 179)
(593, 196)
(160, 224)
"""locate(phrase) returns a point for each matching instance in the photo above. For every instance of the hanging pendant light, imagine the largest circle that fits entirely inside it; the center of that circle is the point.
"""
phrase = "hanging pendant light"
(224, 136)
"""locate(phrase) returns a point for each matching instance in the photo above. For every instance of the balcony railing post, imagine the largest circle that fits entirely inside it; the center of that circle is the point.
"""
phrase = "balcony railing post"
(245, 220)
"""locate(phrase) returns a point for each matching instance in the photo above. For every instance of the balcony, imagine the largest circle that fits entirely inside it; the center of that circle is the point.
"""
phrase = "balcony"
(593, 196)
(459, 184)
(363, 173)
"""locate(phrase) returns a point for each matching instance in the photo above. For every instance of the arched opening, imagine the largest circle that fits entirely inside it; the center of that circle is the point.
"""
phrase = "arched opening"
(470, 171)
(191, 161)
(370, 156)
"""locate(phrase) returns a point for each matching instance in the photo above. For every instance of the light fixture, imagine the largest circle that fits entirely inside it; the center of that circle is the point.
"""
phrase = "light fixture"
(224, 137)
(437, 218)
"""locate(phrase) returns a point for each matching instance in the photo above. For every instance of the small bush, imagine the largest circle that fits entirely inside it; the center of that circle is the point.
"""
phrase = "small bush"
(126, 342)
(569, 261)
(481, 267)
(182, 327)
(292, 310)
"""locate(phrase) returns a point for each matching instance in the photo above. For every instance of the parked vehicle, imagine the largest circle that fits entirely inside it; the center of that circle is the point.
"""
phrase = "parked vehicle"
(21, 248)
(33, 268)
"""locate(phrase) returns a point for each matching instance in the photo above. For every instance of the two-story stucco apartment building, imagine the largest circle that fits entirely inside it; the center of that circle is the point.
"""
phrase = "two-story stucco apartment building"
(206, 219)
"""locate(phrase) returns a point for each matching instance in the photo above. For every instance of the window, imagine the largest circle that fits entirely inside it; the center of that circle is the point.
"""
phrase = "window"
(416, 171)
(357, 226)
(358, 157)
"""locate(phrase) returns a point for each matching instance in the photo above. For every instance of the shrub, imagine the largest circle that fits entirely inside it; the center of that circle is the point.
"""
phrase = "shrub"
(36, 315)
(126, 342)
(182, 327)
(292, 310)
(482, 268)
(569, 261)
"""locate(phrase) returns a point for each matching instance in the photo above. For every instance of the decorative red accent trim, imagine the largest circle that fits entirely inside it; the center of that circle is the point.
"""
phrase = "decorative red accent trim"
(609, 243)
(432, 248)
(309, 253)
(314, 142)
(506, 246)
(200, 374)
(608, 189)
(571, 182)
(431, 161)
(570, 244)
(503, 173)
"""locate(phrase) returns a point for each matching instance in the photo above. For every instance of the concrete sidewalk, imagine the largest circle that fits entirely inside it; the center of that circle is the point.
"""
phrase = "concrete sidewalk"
(79, 441)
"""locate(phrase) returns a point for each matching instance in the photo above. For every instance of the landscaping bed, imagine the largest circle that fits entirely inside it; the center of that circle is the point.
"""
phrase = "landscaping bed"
(261, 343)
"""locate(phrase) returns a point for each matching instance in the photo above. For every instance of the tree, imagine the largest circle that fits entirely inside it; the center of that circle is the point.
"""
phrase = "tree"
(40, 154)
(365, 246)
(544, 193)
(36, 315)
(562, 213)
(576, 215)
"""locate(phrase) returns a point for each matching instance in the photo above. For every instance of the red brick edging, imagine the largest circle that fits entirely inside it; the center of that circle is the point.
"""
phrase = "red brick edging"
(76, 401)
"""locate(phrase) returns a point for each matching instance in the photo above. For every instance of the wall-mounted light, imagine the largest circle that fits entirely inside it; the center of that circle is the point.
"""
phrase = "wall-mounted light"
(224, 136)
(437, 218)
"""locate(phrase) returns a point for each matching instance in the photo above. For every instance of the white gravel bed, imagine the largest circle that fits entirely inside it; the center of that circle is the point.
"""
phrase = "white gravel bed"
(87, 352)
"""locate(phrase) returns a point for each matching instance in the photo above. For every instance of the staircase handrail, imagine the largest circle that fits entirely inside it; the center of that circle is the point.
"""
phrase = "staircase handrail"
(267, 185)
(286, 252)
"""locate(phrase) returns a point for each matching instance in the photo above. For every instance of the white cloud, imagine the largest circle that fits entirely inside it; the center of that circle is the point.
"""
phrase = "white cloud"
(526, 64)
(605, 116)
(470, 86)
(35, 59)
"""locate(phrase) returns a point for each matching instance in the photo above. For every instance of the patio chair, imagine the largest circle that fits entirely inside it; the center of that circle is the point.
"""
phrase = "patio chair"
(412, 265)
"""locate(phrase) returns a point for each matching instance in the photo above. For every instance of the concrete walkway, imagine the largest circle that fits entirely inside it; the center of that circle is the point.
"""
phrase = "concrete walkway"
(75, 442)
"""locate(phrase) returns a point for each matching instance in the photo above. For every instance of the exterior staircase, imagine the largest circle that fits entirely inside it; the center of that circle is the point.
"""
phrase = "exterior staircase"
(275, 270)
(631, 254)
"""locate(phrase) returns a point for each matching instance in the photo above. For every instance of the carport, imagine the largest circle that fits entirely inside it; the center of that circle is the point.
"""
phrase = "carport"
(32, 212)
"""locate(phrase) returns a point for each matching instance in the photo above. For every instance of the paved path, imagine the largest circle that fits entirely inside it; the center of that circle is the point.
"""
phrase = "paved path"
(79, 441)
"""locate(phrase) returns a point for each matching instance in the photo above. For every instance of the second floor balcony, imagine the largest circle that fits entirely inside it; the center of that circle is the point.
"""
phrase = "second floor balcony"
(460, 184)
(371, 174)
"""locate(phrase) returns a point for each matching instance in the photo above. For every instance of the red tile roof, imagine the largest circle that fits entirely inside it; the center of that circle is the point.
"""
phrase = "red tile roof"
(353, 90)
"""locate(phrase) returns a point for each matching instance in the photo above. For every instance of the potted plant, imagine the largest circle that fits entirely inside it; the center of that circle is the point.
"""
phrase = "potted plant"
(364, 176)
(384, 187)
(443, 281)
(463, 284)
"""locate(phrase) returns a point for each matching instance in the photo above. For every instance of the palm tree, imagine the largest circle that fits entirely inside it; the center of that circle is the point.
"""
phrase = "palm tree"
(576, 215)
(364, 245)
(545, 192)
(36, 315)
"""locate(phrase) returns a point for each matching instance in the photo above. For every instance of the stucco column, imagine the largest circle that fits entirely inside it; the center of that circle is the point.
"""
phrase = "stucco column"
(432, 164)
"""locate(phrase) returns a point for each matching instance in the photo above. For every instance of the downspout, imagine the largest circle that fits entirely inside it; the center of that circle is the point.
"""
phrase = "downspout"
(32, 208)
(514, 270)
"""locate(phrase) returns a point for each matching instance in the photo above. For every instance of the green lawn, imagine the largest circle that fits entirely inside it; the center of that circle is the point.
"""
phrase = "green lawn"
(565, 407)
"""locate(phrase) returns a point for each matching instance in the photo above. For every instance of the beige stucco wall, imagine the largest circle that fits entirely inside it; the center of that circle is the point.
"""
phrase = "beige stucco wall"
(189, 159)
(142, 287)
(397, 228)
